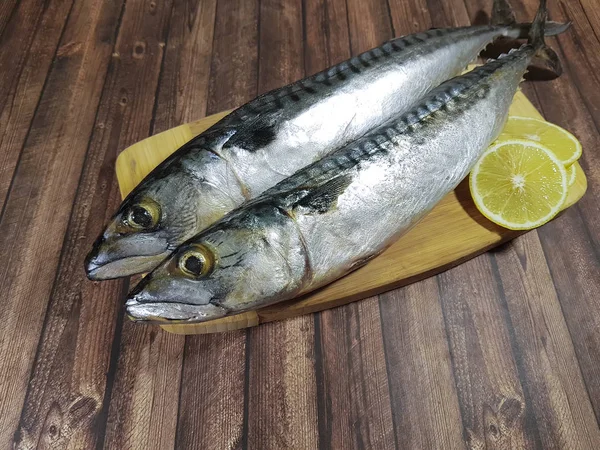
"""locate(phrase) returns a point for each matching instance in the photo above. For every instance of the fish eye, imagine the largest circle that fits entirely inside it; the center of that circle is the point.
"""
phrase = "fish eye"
(143, 215)
(196, 262)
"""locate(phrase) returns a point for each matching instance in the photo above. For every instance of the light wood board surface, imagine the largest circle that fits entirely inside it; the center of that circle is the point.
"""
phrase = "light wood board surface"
(452, 233)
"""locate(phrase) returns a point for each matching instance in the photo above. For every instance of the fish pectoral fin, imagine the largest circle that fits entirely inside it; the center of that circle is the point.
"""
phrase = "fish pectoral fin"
(323, 198)
(254, 137)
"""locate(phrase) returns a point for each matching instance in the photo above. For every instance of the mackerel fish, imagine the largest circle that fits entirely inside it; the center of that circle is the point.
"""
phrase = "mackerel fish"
(278, 133)
(336, 214)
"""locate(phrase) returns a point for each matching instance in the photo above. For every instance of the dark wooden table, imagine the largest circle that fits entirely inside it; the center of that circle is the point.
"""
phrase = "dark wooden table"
(500, 352)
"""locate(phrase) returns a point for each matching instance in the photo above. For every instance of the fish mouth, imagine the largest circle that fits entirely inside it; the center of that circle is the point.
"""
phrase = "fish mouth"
(172, 312)
(121, 267)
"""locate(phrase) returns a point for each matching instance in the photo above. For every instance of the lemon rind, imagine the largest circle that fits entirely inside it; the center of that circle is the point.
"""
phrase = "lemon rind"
(497, 219)
(571, 173)
(578, 147)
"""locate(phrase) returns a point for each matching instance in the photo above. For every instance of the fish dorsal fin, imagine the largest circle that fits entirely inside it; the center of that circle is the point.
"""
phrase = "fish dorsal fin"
(323, 198)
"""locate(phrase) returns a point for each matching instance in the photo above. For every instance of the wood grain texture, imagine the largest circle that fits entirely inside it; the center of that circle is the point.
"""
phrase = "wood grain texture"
(369, 24)
(32, 34)
(502, 352)
(543, 349)
(451, 13)
(326, 33)
(33, 227)
(410, 17)
(491, 397)
(66, 402)
(282, 400)
(351, 343)
(7, 9)
(420, 376)
(146, 389)
(213, 400)
(213, 411)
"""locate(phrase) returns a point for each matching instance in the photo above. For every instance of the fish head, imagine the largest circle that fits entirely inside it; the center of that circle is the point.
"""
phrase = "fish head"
(148, 226)
(233, 266)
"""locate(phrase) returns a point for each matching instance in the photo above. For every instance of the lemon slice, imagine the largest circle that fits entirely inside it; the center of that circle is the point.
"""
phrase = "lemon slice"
(571, 172)
(519, 184)
(564, 145)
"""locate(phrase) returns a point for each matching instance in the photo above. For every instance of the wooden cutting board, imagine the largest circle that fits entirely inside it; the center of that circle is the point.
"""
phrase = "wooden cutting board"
(452, 233)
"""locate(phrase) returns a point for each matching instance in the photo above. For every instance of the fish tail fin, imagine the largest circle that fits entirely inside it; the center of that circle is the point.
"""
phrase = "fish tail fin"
(536, 40)
(523, 30)
(503, 15)
(538, 27)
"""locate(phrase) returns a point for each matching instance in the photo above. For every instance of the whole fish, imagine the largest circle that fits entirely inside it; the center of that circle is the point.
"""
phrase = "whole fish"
(273, 136)
(338, 213)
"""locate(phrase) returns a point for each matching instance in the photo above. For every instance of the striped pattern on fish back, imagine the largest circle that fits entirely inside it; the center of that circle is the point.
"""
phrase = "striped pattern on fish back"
(398, 50)
(451, 97)
(314, 87)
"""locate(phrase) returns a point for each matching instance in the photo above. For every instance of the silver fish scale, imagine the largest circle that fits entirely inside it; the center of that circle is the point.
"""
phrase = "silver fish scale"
(391, 190)
(323, 81)
(279, 133)
(338, 213)
(387, 133)
(397, 176)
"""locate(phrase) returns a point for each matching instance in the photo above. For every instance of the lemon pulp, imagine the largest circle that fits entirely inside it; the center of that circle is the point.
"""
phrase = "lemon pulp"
(519, 184)
(563, 144)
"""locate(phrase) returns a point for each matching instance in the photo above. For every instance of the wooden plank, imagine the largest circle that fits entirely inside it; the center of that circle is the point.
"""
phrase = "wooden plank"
(572, 243)
(145, 397)
(212, 400)
(32, 35)
(35, 219)
(282, 400)
(592, 14)
(234, 69)
(579, 58)
(7, 9)
(65, 402)
(494, 409)
(211, 411)
(421, 381)
(354, 408)
(326, 33)
(448, 13)
(543, 348)
(281, 404)
(409, 16)
(183, 90)
(369, 24)
(280, 44)
(575, 267)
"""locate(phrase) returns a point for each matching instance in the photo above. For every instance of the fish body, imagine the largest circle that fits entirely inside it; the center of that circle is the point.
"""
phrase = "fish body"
(275, 135)
(336, 214)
